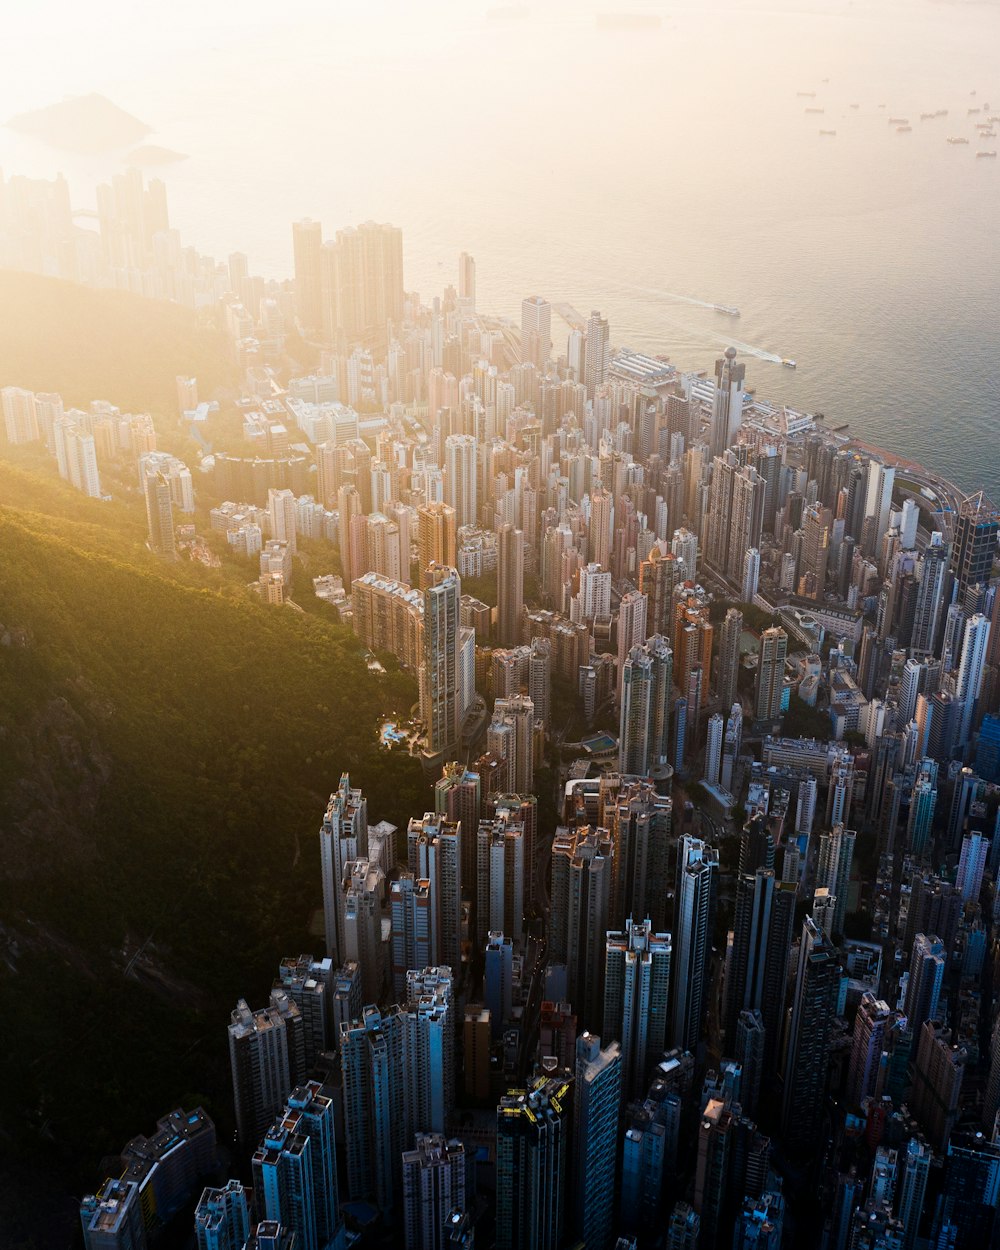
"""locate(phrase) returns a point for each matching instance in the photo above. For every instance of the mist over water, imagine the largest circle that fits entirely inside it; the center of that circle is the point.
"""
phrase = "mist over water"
(611, 169)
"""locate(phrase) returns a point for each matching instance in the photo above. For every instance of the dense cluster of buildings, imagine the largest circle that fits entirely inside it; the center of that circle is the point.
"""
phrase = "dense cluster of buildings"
(738, 989)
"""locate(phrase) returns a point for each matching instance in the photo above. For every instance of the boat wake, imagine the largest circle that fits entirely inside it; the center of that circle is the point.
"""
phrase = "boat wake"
(745, 349)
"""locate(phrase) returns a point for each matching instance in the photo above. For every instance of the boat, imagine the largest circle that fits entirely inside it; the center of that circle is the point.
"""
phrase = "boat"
(815, 110)
(987, 134)
(728, 309)
(973, 111)
(806, 95)
(927, 117)
(902, 130)
(855, 106)
(988, 154)
(898, 121)
(789, 364)
(828, 132)
(958, 140)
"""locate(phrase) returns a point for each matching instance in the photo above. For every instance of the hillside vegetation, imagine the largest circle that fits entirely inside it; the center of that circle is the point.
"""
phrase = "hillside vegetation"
(167, 746)
(88, 344)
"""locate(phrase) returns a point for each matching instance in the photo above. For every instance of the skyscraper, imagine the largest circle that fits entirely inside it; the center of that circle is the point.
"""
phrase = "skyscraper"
(362, 893)
(433, 1190)
(713, 748)
(748, 1050)
(307, 241)
(597, 353)
(636, 1000)
(435, 539)
(429, 1048)
(601, 521)
(439, 675)
(644, 721)
(260, 1064)
(19, 413)
(658, 575)
(912, 1188)
(159, 512)
(640, 824)
(113, 1219)
(972, 865)
(343, 836)
(927, 968)
(816, 523)
(362, 284)
(771, 673)
(467, 279)
(814, 1005)
(458, 795)
(536, 331)
(833, 869)
(581, 897)
(762, 936)
(760, 1225)
(871, 1023)
(970, 673)
(498, 981)
(938, 1073)
(933, 568)
(684, 1228)
(510, 585)
(222, 1218)
(632, 630)
(729, 656)
(434, 855)
(975, 544)
(295, 1170)
(410, 913)
(697, 874)
(533, 1146)
(376, 1124)
(715, 1133)
(461, 478)
(727, 402)
(751, 575)
(596, 1100)
(510, 739)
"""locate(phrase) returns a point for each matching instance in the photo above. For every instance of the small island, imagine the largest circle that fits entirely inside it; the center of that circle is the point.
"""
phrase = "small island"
(87, 124)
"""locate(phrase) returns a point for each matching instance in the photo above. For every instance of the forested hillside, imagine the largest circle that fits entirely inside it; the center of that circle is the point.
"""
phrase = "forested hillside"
(166, 749)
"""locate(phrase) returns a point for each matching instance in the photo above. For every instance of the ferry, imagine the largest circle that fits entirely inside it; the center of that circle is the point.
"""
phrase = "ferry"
(789, 364)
